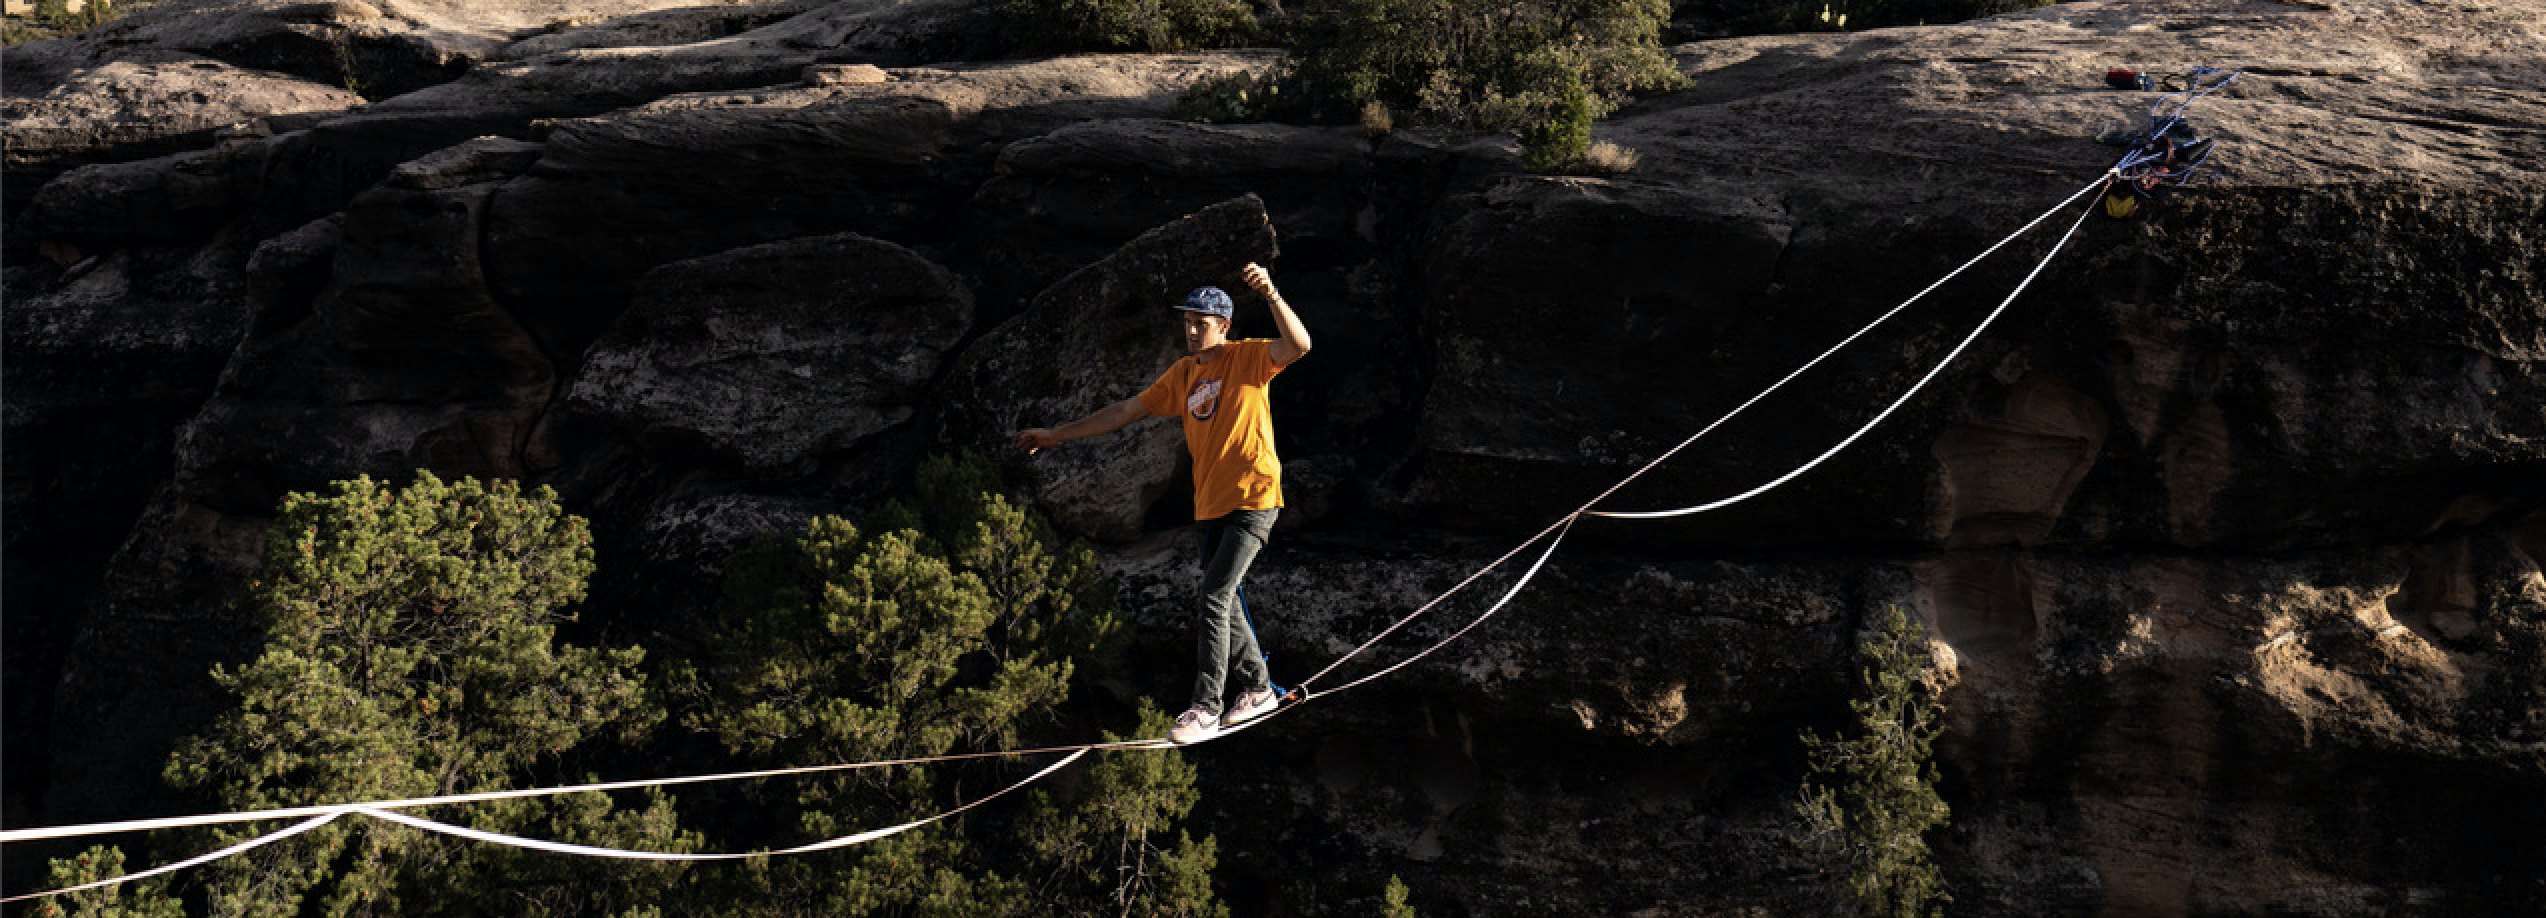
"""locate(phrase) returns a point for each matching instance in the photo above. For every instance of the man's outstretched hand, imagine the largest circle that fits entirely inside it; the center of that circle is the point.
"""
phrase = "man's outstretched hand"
(1034, 439)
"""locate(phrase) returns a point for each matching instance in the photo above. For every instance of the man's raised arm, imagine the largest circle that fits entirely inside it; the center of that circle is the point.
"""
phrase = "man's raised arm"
(1103, 421)
(1294, 342)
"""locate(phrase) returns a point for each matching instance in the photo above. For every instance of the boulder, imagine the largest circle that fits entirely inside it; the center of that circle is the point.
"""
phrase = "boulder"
(150, 104)
(383, 49)
(586, 70)
(897, 30)
(655, 29)
(775, 354)
(269, 183)
(1060, 200)
(169, 199)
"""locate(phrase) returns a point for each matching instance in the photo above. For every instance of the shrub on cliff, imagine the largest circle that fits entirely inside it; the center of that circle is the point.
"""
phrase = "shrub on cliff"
(1543, 68)
(1130, 25)
(1108, 852)
(952, 623)
(409, 650)
(1871, 796)
(57, 19)
(1392, 900)
(146, 898)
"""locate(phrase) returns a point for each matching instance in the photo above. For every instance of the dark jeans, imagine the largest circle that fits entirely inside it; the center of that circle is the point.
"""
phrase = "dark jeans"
(1222, 636)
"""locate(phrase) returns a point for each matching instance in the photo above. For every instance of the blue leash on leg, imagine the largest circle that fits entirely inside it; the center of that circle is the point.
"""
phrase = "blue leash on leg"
(1286, 695)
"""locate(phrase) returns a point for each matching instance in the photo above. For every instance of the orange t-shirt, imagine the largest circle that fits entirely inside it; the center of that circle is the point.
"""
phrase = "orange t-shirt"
(1228, 426)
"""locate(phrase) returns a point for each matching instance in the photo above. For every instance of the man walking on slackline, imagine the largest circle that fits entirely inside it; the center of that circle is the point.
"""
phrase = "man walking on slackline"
(1220, 389)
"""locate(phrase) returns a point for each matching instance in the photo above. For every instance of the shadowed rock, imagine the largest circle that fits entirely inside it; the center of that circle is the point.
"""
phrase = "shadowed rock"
(405, 361)
(695, 174)
(147, 105)
(777, 353)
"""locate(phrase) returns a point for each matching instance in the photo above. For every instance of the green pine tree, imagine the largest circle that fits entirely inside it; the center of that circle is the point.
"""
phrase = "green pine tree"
(1558, 132)
(1129, 25)
(410, 650)
(954, 622)
(1107, 852)
(1530, 65)
(1392, 901)
(137, 899)
(1871, 797)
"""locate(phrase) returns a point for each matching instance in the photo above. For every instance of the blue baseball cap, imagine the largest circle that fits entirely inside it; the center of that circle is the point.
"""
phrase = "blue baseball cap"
(1210, 301)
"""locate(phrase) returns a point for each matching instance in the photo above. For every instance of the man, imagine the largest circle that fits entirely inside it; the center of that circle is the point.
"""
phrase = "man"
(1220, 390)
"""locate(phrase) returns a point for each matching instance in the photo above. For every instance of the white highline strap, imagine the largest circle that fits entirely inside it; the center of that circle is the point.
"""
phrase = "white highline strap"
(1718, 422)
(1437, 600)
(376, 812)
(259, 841)
(1565, 527)
(1514, 590)
(1887, 410)
(181, 822)
(844, 841)
(2097, 184)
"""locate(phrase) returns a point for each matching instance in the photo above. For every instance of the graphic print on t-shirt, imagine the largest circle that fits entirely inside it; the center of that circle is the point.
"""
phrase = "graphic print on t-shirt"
(1204, 401)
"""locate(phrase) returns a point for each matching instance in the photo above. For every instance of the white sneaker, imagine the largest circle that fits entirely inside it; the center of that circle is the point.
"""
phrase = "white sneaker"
(1251, 706)
(1194, 726)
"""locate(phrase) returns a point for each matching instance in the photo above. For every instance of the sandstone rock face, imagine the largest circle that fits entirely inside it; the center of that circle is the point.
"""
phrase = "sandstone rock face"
(386, 48)
(2230, 531)
(771, 353)
(156, 103)
(696, 174)
(657, 29)
(100, 368)
(403, 361)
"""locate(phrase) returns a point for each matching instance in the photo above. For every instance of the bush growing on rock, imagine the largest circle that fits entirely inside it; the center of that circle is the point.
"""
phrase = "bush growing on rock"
(1130, 25)
(409, 651)
(1108, 853)
(1392, 901)
(1554, 123)
(1871, 796)
(1544, 69)
(954, 622)
(139, 899)
(57, 18)
(1234, 97)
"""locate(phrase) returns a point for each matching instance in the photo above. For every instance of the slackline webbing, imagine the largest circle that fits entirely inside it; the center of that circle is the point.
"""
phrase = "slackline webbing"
(1553, 535)
(1896, 404)
(625, 854)
(257, 842)
(1568, 519)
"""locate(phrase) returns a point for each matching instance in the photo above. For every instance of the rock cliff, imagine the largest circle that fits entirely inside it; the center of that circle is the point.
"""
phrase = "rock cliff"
(2231, 533)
